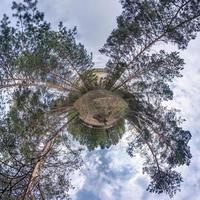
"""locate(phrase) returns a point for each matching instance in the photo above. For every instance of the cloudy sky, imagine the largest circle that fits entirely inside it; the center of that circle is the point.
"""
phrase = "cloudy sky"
(112, 175)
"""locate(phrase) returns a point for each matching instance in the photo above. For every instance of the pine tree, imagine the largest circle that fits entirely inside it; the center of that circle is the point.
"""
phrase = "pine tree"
(44, 72)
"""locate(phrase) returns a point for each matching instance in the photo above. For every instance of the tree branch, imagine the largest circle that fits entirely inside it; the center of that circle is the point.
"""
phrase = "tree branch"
(38, 163)
(157, 39)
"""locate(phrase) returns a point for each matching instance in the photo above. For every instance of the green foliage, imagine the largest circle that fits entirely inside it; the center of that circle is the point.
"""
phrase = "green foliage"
(90, 79)
(164, 144)
(33, 49)
(114, 74)
(143, 78)
(142, 25)
(33, 55)
(93, 137)
(143, 22)
(23, 132)
(167, 181)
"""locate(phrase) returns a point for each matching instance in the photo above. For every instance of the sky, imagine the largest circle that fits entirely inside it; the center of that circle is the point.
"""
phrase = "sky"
(112, 175)
(94, 19)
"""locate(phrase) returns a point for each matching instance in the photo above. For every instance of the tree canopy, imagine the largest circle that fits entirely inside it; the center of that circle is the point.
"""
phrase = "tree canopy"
(44, 71)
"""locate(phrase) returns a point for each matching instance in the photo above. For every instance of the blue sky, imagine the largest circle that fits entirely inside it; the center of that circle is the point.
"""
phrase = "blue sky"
(112, 175)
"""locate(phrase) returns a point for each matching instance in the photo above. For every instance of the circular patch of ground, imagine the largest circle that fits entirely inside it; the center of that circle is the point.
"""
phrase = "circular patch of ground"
(100, 108)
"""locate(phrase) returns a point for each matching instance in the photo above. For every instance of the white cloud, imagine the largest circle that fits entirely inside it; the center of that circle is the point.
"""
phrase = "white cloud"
(132, 184)
(94, 19)
(113, 175)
